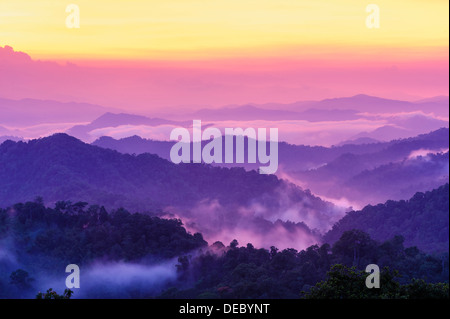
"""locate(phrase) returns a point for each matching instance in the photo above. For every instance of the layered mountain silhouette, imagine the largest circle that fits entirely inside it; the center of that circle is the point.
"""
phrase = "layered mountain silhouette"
(232, 202)
(396, 171)
(293, 157)
(213, 200)
(251, 113)
(344, 108)
(373, 104)
(33, 112)
(115, 120)
(359, 140)
(10, 138)
(357, 172)
(30, 118)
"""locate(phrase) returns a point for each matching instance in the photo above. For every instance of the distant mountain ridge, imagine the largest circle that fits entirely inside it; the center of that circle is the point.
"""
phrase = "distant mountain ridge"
(209, 199)
(359, 141)
(373, 104)
(387, 173)
(11, 138)
(33, 111)
(327, 109)
(335, 171)
(114, 120)
(31, 118)
(292, 157)
(252, 113)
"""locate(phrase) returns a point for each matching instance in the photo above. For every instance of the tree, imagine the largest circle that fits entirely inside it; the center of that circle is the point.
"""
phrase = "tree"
(51, 294)
(353, 246)
(349, 283)
(419, 289)
(234, 243)
(21, 279)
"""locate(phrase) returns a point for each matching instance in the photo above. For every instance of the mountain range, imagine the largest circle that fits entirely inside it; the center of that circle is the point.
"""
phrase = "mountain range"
(395, 171)
(26, 112)
(324, 110)
(220, 202)
(344, 171)
(223, 203)
(373, 117)
(108, 120)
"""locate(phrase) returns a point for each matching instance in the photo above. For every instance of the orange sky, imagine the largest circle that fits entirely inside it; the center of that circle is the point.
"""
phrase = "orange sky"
(167, 53)
(211, 29)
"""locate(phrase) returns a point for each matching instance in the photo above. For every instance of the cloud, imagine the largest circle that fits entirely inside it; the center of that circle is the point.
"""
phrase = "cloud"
(8, 55)
(401, 116)
(115, 280)
(288, 218)
(425, 152)
(161, 132)
(155, 85)
(294, 132)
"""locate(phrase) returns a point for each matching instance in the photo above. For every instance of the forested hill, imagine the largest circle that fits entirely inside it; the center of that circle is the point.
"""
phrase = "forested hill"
(363, 174)
(60, 167)
(124, 255)
(81, 233)
(301, 157)
(422, 220)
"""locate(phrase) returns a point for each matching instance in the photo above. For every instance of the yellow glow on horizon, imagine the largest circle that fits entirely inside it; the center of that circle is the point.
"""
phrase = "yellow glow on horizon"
(189, 29)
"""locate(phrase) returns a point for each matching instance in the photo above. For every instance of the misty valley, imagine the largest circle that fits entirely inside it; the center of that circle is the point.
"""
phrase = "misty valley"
(212, 151)
(139, 226)
(125, 255)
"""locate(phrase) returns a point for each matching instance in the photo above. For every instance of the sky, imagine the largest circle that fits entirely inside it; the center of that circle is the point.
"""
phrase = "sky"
(142, 54)
(207, 29)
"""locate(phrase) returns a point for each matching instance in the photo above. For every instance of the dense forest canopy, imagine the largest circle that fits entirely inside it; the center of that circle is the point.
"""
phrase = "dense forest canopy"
(423, 221)
(39, 240)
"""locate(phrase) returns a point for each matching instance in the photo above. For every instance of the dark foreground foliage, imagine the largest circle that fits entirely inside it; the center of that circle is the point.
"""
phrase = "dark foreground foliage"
(37, 241)
(247, 272)
(51, 294)
(349, 283)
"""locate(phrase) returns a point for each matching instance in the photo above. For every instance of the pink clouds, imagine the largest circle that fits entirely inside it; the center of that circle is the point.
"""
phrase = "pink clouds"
(284, 226)
(154, 86)
(8, 55)
(298, 132)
